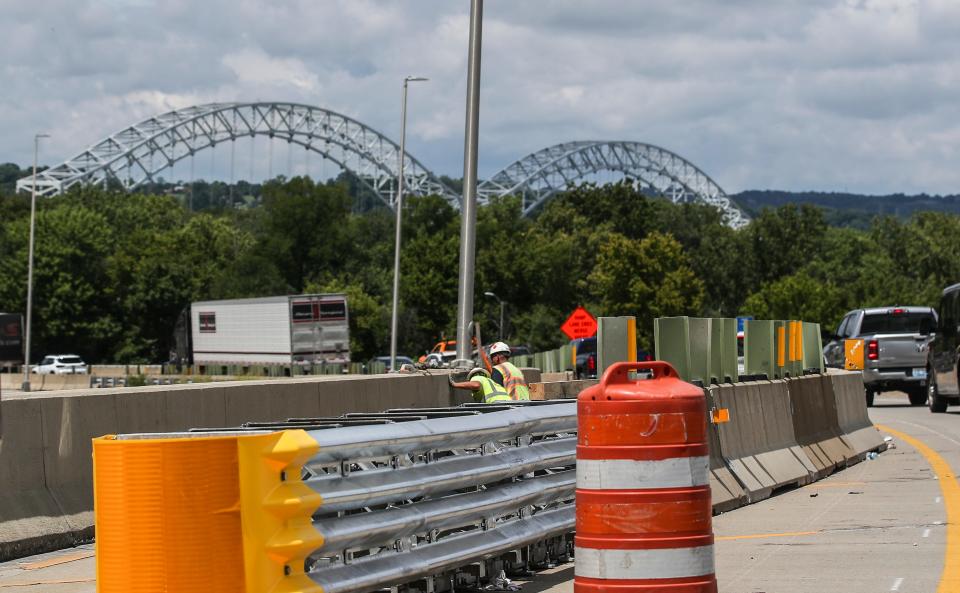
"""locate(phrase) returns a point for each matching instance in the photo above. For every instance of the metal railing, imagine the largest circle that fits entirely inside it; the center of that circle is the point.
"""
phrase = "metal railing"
(419, 499)
(410, 500)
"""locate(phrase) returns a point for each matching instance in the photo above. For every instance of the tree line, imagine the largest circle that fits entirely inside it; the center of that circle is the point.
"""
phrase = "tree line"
(114, 270)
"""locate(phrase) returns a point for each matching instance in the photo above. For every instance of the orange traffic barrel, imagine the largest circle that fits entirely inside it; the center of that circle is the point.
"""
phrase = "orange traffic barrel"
(643, 485)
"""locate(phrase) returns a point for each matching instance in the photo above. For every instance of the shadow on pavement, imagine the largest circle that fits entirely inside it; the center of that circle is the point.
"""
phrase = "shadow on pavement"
(548, 579)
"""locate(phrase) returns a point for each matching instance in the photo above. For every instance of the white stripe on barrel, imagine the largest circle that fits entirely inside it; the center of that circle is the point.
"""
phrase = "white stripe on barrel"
(624, 474)
(668, 563)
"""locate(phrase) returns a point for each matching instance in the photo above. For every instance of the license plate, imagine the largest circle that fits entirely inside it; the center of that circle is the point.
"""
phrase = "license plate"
(920, 373)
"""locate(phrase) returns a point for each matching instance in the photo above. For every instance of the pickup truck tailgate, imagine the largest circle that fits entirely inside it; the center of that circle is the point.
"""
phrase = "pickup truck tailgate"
(899, 351)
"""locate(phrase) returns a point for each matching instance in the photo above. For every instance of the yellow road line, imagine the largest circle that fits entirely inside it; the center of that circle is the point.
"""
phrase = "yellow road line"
(950, 578)
(57, 560)
(38, 583)
(762, 535)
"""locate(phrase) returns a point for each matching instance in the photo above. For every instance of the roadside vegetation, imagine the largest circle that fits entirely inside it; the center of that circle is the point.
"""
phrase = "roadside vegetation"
(114, 270)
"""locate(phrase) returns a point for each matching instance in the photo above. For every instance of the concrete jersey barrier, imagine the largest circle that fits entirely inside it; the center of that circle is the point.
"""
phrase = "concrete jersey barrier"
(45, 446)
(758, 443)
(816, 425)
(726, 491)
(780, 433)
(854, 422)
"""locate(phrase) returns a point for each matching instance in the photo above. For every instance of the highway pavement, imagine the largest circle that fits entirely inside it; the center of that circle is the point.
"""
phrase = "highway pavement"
(878, 526)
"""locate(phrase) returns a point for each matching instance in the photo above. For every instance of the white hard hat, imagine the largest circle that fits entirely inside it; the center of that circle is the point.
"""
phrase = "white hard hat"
(499, 348)
(478, 371)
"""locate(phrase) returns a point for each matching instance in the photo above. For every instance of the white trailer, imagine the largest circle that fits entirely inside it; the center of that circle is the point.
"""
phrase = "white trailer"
(281, 330)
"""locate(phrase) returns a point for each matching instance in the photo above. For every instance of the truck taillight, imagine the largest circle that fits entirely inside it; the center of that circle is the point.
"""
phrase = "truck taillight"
(873, 350)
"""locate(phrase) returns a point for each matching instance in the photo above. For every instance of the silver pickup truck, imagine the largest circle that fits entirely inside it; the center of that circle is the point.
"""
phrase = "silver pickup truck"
(895, 348)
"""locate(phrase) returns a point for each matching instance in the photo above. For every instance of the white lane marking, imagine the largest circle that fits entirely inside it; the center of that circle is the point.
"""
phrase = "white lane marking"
(936, 432)
(667, 563)
(926, 532)
(937, 500)
(896, 584)
(619, 474)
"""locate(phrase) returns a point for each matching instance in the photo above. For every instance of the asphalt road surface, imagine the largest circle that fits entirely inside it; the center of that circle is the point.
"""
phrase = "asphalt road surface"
(878, 526)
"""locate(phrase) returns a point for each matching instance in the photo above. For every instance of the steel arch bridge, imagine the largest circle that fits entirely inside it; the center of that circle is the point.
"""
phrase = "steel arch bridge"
(539, 176)
(138, 153)
(135, 155)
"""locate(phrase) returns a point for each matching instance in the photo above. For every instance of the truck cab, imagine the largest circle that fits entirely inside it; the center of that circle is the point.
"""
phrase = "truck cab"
(943, 353)
(442, 354)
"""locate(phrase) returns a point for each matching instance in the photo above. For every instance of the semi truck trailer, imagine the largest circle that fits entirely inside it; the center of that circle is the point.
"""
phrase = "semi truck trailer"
(281, 330)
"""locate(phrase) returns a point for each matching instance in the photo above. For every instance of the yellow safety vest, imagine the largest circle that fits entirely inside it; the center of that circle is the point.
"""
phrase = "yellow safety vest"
(490, 392)
(513, 381)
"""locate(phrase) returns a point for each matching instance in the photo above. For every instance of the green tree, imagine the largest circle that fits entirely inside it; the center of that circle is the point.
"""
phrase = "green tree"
(648, 278)
(798, 296)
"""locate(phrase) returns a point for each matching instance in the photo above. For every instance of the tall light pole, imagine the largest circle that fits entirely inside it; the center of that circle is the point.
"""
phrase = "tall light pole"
(468, 210)
(401, 167)
(33, 218)
(501, 301)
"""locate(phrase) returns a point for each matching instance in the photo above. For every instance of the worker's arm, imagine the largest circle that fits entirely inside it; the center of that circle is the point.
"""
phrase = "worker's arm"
(471, 385)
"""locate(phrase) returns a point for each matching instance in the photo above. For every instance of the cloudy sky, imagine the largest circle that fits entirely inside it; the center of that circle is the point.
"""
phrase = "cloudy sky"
(845, 95)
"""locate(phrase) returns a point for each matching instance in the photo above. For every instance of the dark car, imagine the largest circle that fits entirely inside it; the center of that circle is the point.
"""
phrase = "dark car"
(519, 350)
(942, 352)
(585, 357)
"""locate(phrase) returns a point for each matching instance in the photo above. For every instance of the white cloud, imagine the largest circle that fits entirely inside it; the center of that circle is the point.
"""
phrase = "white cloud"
(254, 67)
(821, 94)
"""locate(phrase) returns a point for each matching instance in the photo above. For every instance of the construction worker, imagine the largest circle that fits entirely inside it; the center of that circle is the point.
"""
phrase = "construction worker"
(483, 388)
(506, 373)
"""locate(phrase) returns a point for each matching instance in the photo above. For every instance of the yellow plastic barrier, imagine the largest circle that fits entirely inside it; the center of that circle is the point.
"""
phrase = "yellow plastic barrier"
(277, 532)
(853, 355)
(208, 514)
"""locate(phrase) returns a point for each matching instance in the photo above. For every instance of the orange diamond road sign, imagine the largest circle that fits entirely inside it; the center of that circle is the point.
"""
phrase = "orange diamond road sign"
(580, 324)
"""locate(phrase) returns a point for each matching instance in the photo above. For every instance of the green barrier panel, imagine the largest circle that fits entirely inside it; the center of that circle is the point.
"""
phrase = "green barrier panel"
(552, 361)
(566, 358)
(671, 343)
(723, 350)
(759, 348)
(616, 341)
(700, 350)
(524, 360)
(812, 347)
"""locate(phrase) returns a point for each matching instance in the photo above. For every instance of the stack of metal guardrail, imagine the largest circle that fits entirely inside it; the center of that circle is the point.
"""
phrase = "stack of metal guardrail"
(434, 498)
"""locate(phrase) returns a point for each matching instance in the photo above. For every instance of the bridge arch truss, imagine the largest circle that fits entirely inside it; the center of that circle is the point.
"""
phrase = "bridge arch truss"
(540, 175)
(138, 153)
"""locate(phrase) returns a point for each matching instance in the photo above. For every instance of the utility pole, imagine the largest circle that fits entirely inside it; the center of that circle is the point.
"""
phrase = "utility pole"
(398, 205)
(468, 210)
(33, 223)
